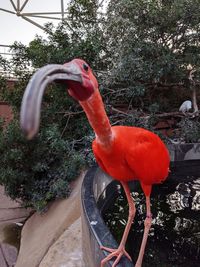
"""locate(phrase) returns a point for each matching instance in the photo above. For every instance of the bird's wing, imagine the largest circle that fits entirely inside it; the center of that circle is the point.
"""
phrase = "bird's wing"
(144, 157)
(137, 159)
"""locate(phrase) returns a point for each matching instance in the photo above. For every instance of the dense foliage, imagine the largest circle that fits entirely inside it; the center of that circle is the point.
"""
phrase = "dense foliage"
(157, 44)
(40, 170)
(142, 52)
(35, 172)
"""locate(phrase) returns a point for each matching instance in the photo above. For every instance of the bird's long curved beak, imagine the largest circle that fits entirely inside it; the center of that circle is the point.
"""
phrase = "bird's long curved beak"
(32, 99)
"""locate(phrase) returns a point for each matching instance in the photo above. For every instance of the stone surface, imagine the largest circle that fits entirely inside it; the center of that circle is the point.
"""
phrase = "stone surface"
(9, 254)
(11, 211)
(42, 230)
(13, 215)
(2, 259)
(67, 250)
(5, 201)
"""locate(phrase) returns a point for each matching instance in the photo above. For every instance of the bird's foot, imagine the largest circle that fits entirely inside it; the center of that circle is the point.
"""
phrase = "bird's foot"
(118, 253)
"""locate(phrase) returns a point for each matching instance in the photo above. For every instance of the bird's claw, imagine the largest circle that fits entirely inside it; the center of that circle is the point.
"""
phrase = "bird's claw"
(119, 252)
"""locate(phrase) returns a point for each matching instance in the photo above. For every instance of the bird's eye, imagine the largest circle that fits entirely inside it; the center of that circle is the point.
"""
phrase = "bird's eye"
(85, 67)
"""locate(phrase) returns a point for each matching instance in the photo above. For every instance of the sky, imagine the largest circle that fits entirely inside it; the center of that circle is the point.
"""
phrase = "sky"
(14, 28)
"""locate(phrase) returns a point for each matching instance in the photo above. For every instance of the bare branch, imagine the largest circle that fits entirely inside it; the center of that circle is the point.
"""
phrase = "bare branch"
(65, 126)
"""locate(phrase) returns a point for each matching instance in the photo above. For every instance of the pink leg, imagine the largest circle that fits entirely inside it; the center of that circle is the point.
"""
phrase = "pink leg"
(147, 226)
(120, 251)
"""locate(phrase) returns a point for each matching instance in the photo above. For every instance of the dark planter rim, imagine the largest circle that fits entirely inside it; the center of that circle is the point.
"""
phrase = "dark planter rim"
(95, 221)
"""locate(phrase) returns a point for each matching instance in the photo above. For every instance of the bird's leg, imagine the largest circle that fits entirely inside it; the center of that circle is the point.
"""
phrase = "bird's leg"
(120, 251)
(147, 226)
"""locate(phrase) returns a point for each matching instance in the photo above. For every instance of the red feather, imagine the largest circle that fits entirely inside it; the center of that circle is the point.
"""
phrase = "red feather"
(136, 153)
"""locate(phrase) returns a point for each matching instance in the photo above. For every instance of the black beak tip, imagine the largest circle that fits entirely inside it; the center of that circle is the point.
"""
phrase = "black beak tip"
(29, 133)
(29, 136)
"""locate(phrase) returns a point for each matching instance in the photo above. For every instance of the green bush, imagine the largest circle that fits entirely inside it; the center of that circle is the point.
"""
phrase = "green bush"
(152, 44)
(37, 171)
(190, 130)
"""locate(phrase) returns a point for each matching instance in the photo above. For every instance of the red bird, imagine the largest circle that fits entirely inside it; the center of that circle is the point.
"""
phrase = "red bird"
(125, 153)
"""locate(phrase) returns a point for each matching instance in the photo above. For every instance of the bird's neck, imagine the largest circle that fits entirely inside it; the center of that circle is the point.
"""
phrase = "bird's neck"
(95, 112)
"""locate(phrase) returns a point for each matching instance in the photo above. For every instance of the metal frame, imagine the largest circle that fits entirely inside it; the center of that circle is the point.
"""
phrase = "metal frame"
(18, 10)
(5, 49)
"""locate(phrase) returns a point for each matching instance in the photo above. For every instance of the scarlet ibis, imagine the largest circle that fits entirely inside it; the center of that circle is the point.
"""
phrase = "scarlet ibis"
(125, 153)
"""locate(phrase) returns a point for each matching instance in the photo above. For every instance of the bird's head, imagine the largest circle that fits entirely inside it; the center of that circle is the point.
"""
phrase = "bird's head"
(76, 75)
(82, 89)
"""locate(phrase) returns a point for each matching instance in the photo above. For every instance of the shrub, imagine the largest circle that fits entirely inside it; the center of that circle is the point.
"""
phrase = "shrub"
(40, 170)
(190, 130)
